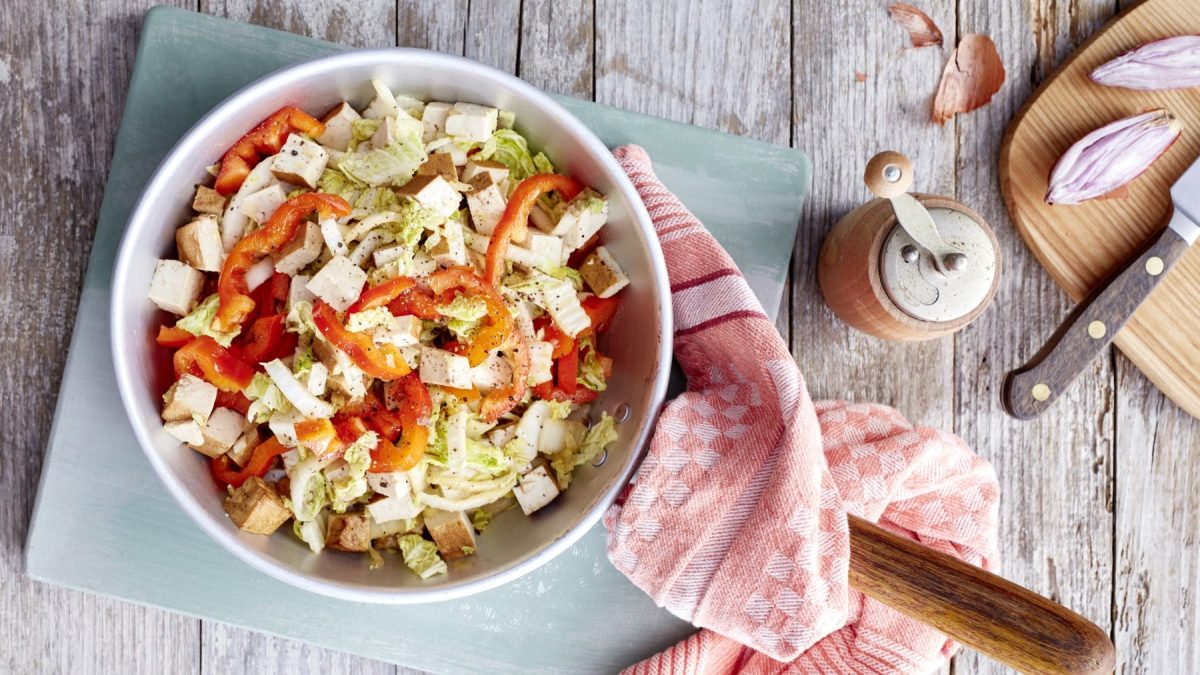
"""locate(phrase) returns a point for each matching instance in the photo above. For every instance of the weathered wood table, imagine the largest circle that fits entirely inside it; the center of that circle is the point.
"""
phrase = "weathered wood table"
(1099, 504)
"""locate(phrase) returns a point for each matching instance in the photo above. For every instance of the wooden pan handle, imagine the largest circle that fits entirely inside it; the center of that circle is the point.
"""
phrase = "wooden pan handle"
(985, 612)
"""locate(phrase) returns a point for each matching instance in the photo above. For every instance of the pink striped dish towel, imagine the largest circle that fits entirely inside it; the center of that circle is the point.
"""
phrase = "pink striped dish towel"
(736, 520)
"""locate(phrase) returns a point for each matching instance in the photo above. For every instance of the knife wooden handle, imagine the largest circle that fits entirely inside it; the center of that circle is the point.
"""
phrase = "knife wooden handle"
(988, 613)
(1089, 328)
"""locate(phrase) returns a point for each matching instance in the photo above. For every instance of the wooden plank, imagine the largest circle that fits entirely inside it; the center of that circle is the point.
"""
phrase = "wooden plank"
(1056, 474)
(1157, 527)
(558, 45)
(66, 68)
(372, 23)
(493, 33)
(439, 25)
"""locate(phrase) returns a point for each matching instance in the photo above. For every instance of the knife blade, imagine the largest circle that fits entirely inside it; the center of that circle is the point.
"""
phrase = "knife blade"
(1093, 323)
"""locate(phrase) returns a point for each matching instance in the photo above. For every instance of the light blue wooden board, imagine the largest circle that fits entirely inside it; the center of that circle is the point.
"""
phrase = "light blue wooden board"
(104, 524)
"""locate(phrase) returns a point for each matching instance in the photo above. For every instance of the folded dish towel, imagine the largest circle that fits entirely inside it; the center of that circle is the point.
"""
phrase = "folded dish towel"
(736, 520)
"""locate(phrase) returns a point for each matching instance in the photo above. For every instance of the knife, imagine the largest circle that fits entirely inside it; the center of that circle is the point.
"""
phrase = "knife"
(1091, 326)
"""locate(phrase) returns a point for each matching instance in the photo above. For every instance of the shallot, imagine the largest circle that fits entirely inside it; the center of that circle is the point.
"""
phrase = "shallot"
(1170, 63)
(1112, 156)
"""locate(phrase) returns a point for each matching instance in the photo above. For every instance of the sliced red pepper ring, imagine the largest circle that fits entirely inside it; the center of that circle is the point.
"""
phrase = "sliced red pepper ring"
(380, 361)
(235, 301)
(260, 462)
(499, 326)
(515, 221)
(265, 139)
(170, 336)
(381, 294)
(219, 367)
(415, 407)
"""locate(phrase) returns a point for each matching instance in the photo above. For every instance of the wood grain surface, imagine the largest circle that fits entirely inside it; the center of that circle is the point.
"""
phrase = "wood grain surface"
(1160, 337)
(1099, 507)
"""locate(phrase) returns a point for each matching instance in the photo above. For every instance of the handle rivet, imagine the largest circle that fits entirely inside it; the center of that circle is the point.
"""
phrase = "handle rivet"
(909, 253)
(1040, 392)
(1097, 329)
(892, 173)
(1154, 266)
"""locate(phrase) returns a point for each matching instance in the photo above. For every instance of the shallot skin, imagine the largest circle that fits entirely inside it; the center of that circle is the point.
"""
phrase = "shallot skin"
(1169, 63)
(1111, 157)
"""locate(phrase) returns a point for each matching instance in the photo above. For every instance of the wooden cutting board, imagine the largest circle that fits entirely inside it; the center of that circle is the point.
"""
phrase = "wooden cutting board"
(1081, 245)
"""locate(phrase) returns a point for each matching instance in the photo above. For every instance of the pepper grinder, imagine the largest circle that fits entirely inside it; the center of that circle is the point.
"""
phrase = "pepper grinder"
(908, 266)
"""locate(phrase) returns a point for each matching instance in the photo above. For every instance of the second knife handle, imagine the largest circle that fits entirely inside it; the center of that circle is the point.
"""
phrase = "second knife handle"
(1090, 327)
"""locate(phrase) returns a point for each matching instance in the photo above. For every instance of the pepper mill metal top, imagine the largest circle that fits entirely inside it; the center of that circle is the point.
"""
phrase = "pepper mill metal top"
(908, 266)
(939, 264)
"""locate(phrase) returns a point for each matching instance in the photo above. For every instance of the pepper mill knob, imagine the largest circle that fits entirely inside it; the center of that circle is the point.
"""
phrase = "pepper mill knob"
(889, 174)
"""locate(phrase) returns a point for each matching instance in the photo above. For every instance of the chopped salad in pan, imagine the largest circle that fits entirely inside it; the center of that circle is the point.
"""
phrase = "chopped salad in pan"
(386, 326)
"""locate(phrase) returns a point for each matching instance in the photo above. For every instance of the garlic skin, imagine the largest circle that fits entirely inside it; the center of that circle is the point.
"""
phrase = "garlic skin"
(1112, 156)
(1170, 63)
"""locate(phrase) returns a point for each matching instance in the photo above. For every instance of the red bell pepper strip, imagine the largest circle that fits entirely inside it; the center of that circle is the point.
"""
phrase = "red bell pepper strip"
(235, 302)
(547, 391)
(268, 339)
(413, 417)
(234, 400)
(600, 311)
(502, 399)
(515, 221)
(562, 342)
(265, 139)
(568, 371)
(382, 294)
(382, 361)
(170, 336)
(220, 368)
(260, 462)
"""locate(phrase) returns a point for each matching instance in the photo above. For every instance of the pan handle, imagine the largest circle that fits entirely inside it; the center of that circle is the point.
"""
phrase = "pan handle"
(985, 612)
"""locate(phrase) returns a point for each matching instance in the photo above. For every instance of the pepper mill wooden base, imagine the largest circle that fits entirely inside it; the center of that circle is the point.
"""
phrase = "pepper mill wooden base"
(849, 273)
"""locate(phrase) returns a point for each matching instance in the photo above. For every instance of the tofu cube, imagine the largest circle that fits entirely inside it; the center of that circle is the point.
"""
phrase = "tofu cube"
(298, 290)
(401, 331)
(185, 431)
(536, 489)
(434, 116)
(175, 286)
(451, 531)
(339, 283)
(583, 217)
(389, 509)
(494, 372)
(486, 202)
(540, 219)
(260, 205)
(541, 358)
(457, 155)
(208, 200)
(244, 447)
(451, 249)
(441, 367)
(432, 192)
(602, 273)
(479, 167)
(471, 121)
(389, 484)
(439, 164)
(337, 123)
(387, 133)
(256, 507)
(199, 244)
(301, 251)
(300, 162)
(543, 251)
(223, 429)
(349, 532)
(188, 399)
